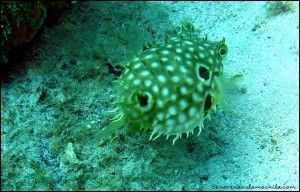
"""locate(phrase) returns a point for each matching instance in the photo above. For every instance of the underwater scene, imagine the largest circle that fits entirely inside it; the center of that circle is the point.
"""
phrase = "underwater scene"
(150, 95)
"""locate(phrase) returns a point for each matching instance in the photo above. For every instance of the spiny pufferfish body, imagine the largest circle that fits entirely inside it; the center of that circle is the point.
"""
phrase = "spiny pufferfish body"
(173, 86)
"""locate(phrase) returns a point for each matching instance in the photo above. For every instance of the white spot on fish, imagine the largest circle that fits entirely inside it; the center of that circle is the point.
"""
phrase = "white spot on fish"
(126, 71)
(183, 69)
(188, 56)
(131, 76)
(191, 49)
(188, 42)
(160, 103)
(165, 52)
(189, 81)
(183, 103)
(205, 44)
(210, 60)
(145, 73)
(136, 66)
(183, 90)
(178, 50)
(165, 91)
(162, 78)
(182, 118)
(170, 122)
(201, 55)
(188, 62)
(148, 83)
(177, 58)
(170, 67)
(155, 89)
(136, 82)
(174, 39)
(160, 116)
(154, 64)
(192, 111)
(175, 79)
(164, 59)
(153, 49)
(200, 87)
(196, 97)
(169, 46)
(173, 97)
(149, 56)
(172, 110)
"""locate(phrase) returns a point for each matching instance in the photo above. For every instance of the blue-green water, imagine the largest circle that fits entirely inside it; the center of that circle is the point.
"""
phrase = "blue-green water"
(55, 104)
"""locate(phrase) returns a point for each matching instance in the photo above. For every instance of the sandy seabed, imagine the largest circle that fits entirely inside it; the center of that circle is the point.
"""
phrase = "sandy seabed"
(53, 109)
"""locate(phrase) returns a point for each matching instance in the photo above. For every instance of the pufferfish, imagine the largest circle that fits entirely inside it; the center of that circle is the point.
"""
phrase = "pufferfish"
(171, 87)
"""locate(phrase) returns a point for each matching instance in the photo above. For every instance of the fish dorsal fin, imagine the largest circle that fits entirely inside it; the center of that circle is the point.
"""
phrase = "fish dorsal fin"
(185, 28)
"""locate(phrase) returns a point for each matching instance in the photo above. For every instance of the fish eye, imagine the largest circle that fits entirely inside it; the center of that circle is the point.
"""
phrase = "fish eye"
(222, 50)
(203, 72)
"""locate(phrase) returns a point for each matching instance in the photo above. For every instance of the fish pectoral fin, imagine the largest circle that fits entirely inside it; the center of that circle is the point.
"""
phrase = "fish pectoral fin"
(110, 129)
